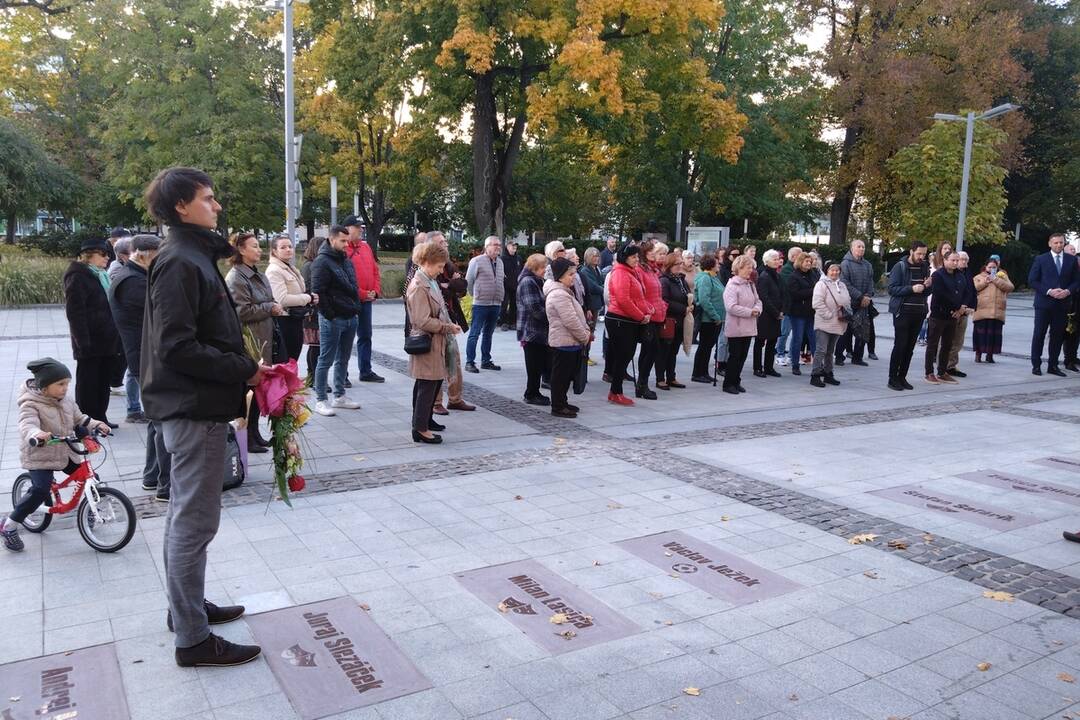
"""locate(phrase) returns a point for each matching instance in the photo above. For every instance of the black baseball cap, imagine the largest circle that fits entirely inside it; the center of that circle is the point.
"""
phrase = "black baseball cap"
(352, 221)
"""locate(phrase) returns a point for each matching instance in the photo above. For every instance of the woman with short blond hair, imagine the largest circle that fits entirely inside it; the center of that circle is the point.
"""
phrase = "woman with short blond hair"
(532, 326)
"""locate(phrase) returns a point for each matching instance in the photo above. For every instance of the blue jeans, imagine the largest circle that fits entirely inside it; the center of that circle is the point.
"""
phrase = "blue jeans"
(131, 386)
(781, 342)
(363, 339)
(802, 328)
(484, 319)
(335, 348)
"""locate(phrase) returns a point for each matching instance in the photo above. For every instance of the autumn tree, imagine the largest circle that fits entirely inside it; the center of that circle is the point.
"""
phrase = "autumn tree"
(926, 177)
(893, 63)
(29, 178)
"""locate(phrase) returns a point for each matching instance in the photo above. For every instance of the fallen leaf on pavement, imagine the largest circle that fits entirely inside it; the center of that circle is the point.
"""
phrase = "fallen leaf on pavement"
(861, 538)
(927, 537)
(15, 698)
(656, 595)
(668, 622)
(1065, 677)
(596, 563)
(567, 634)
(984, 666)
(793, 697)
(667, 554)
(871, 574)
(999, 595)
(503, 608)
(365, 607)
(518, 497)
(692, 691)
(557, 618)
(725, 518)
(898, 544)
(614, 506)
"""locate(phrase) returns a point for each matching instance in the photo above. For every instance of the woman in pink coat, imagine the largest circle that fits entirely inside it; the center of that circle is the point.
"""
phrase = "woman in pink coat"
(743, 308)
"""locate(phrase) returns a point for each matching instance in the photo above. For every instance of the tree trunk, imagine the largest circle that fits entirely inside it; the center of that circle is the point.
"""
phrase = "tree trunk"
(484, 168)
(9, 237)
(840, 213)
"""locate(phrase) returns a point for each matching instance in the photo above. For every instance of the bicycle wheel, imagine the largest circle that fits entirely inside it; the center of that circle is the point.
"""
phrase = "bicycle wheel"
(38, 520)
(113, 526)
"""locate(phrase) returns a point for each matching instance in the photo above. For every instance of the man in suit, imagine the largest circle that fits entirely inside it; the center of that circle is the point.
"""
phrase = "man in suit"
(1055, 279)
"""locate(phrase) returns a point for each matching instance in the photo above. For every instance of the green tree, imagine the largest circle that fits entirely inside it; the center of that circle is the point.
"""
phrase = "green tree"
(926, 178)
(30, 180)
(195, 83)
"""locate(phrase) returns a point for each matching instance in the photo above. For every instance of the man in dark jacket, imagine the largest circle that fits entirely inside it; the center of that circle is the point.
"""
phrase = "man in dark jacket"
(857, 274)
(947, 305)
(333, 279)
(195, 373)
(1055, 278)
(970, 301)
(511, 263)
(909, 281)
(127, 296)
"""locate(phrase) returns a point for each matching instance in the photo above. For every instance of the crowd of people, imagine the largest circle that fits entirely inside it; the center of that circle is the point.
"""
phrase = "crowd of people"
(156, 320)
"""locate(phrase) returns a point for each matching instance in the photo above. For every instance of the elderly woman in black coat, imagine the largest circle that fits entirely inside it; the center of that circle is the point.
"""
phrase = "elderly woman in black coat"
(676, 293)
(772, 312)
(94, 338)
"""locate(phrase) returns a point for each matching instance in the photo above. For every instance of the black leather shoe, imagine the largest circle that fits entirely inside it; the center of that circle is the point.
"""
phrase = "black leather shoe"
(256, 448)
(433, 440)
(740, 388)
(113, 425)
(906, 384)
(642, 391)
(471, 367)
(1071, 536)
(563, 412)
(731, 390)
(216, 651)
(372, 378)
(702, 379)
(872, 356)
(759, 373)
(830, 380)
(895, 385)
(437, 427)
(862, 363)
(489, 366)
(575, 408)
(816, 381)
(537, 400)
(214, 615)
(348, 383)
(839, 362)
(1036, 371)
(1056, 371)
(773, 373)
(795, 370)
(956, 373)
(1072, 366)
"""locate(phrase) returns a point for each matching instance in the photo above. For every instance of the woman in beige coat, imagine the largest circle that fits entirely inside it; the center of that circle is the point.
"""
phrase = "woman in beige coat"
(993, 286)
(832, 307)
(428, 316)
(568, 333)
(290, 292)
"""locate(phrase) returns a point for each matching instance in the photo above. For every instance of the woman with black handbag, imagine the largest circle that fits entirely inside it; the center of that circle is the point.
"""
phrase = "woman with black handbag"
(290, 292)
(676, 294)
(256, 308)
(832, 310)
(430, 345)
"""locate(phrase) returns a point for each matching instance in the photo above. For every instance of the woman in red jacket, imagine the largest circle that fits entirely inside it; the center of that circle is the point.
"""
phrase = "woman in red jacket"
(627, 311)
(649, 271)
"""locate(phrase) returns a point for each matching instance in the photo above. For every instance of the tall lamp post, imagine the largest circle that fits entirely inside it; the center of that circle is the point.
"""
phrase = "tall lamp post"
(970, 119)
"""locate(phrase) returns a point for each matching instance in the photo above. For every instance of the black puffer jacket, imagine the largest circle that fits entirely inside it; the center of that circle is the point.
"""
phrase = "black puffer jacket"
(772, 303)
(127, 297)
(675, 292)
(194, 365)
(333, 279)
(93, 331)
(800, 292)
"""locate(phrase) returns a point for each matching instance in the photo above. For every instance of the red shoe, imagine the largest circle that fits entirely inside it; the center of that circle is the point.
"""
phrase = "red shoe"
(619, 399)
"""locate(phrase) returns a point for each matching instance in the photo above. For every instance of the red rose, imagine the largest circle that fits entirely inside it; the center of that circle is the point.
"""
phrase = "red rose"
(296, 483)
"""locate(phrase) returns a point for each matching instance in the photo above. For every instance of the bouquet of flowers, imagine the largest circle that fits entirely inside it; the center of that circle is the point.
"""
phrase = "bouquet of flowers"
(281, 396)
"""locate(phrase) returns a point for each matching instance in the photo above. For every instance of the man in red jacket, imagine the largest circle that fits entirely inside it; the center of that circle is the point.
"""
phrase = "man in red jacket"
(367, 278)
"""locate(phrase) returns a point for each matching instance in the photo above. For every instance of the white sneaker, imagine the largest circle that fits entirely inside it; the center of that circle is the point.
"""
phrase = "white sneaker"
(345, 403)
(323, 408)
(783, 360)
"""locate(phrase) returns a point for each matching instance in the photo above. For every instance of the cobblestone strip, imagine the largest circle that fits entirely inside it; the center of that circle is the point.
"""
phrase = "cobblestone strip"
(1040, 586)
(1040, 414)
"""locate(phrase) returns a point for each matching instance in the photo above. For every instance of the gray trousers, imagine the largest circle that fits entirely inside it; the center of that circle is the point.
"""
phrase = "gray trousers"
(823, 353)
(158, 466)
(198, 459)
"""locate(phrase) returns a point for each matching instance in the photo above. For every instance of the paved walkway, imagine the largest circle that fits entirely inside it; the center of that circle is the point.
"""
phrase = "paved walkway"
(960, 603)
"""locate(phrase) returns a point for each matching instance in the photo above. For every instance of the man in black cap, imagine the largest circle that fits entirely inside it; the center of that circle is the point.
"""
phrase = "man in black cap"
(127, 297)
(195, 373)
(370, 287)
(115, 234)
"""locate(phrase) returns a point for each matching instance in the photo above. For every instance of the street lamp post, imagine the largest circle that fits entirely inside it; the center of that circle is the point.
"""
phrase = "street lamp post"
(970, 119)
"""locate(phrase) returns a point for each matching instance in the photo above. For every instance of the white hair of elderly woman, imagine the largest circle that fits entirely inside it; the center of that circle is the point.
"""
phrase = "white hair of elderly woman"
(553, 247)
(492, 240)
(770, 255)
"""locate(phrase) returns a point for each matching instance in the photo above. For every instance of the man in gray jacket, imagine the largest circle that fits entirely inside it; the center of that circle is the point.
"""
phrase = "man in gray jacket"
(485, 277)
(857, 274)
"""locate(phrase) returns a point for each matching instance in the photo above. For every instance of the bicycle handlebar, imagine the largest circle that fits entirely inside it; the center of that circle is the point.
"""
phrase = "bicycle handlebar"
(69, 440)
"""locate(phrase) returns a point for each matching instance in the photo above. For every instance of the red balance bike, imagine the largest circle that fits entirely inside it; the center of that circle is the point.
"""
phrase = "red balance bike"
(105, 516)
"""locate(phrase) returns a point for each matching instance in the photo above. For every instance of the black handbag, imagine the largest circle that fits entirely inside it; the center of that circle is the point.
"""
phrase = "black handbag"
(299, 311)
(418, 344)
(581, 376)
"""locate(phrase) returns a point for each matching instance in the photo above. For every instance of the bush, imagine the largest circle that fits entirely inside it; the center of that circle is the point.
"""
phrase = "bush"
(61, 243)
(30, 279)
(396, 242)
(393, 282)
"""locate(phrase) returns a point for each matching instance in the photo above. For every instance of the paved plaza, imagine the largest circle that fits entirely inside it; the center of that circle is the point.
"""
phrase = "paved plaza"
(790, 553)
